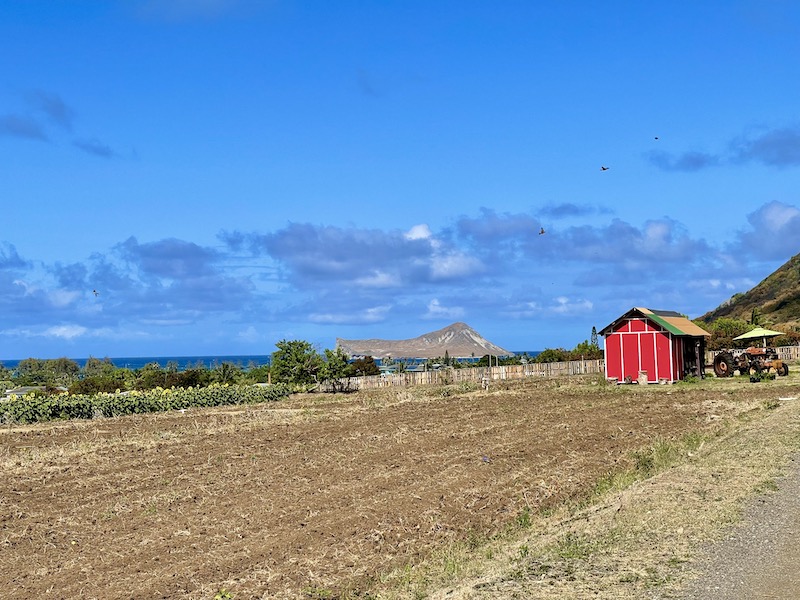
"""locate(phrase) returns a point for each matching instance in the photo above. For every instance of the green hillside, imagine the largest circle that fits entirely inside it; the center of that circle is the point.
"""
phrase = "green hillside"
(775, 302)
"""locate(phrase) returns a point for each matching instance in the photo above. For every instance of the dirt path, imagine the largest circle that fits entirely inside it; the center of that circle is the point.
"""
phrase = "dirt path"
(759, 559)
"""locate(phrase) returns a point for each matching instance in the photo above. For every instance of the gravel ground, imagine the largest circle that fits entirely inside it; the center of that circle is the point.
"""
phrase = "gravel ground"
(760, 557)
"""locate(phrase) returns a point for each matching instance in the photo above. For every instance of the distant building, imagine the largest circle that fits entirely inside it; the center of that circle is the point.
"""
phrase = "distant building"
(656, 345)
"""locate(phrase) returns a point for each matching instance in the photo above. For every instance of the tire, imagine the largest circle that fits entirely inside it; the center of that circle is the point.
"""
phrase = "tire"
(783, 370)
(723, 365)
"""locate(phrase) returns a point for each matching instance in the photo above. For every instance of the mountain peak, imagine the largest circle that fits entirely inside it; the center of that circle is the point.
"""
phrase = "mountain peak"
(776, 299)
(457, 340)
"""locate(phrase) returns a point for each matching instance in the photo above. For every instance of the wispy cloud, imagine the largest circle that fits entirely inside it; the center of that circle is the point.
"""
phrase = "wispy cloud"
(568, 209)
(170, 258)
(366, 83)
(95, 148)
(21, 127)
(686, 161)
(52, 106)
(10, 258)
(775, 148)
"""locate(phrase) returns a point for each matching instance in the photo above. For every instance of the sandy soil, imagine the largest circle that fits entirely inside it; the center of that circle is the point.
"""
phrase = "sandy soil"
(310, 497)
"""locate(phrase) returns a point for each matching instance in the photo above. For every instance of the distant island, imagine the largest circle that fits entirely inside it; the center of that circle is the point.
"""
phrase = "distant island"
(458, 340)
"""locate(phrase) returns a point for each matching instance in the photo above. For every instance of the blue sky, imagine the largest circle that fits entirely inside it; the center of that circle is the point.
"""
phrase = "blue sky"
(227, 174)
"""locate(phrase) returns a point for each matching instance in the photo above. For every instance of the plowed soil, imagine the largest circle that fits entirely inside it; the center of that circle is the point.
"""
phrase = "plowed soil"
(315, 496)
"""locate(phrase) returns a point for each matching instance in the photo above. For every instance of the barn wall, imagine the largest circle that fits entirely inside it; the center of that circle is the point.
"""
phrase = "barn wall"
(613, 356)
(639, 344)
(666, 368)
(630, 355)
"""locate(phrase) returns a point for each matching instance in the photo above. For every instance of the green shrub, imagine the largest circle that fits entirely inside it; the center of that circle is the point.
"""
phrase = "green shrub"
(31, 408)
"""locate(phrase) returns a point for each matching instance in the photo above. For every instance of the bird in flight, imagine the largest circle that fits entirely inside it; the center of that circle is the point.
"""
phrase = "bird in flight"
(656, 137)
(604, 168)
(541, 231)
(95, 292)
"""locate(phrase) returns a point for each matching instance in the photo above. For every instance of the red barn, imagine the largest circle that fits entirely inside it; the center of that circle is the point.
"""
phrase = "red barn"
(663, 343)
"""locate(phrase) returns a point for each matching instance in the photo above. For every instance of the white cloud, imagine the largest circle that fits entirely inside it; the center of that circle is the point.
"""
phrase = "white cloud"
(419, 232)
(437, 311)
(61, 298)
(250, 334)
(378, 279)
(566, 306)
(775, 215)
(453, 265)
(373, 314)
(67, 332)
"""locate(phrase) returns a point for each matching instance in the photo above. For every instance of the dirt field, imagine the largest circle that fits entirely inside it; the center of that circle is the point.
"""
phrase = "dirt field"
(314, 497)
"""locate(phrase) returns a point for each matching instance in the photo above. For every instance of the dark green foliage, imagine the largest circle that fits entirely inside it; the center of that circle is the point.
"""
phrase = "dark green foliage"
(364, 366)
(95, 367)
(495, 360)
(336, 370)
(586, 350)
(258, 374)
(552, 355)
(31, 408)
(295, 362)
(55, 371)
(226, 372)
(97, 384)
(723, 330)
(195, 377)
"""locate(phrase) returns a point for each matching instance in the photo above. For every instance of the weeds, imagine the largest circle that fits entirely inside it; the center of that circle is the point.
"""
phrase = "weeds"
(574, 546)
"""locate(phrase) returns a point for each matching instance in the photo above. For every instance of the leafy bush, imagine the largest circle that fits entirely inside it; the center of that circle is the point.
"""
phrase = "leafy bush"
(31, 408)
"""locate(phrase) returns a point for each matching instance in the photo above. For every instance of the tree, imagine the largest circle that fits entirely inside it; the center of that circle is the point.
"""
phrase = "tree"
(723, 330)
(226, 372)
(364, 366)
(151, 376)
(95, 367)
(258, 374)
(56, 371)
(335, 370)
(585, 350)
(595, 342)
(295, 362)
(552, 355)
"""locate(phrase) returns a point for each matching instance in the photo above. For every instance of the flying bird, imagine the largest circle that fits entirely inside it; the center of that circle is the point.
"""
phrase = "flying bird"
(656, 137)
(95, 292)
(541, 231)
(604, 168)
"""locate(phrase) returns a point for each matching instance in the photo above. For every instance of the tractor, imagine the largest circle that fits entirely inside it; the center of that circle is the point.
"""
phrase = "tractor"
(751, 361)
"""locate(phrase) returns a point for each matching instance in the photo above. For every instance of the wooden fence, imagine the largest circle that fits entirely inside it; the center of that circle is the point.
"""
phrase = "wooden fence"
(478, 375)
(481, 375)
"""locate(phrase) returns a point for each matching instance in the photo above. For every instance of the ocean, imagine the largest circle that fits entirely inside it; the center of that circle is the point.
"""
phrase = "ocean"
(185, 362)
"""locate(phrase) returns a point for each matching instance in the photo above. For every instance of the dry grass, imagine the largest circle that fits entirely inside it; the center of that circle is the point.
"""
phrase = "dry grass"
(638, 533)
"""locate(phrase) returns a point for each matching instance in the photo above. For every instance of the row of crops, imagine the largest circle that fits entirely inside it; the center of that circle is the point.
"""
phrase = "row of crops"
(32, 408)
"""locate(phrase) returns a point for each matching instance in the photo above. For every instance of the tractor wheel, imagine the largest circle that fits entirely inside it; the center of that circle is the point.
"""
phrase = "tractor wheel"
(783, 370)
(723, 365)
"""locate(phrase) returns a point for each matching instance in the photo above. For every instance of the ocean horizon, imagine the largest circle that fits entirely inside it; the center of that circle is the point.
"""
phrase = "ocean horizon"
(186, 362)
